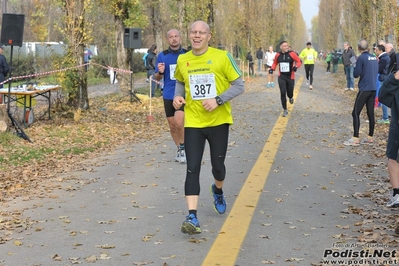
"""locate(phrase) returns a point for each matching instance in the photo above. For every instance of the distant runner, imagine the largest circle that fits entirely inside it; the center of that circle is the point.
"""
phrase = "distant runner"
(288, 62)
(309, 55)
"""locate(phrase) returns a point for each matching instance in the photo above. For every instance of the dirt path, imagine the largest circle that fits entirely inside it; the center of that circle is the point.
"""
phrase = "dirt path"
(125, 207)
(104, 89)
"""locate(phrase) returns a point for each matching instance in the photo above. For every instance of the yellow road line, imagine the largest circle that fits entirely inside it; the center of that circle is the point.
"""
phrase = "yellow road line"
(227, 245)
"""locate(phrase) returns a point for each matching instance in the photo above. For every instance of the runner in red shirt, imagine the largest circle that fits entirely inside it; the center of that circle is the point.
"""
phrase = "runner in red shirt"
(288, 62)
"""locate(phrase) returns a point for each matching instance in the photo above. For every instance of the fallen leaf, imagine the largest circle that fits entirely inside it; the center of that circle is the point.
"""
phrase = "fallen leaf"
(17, 243)
(106, 246)
(104, 256)
(141, 263)
(92, 258)
(267, 262)
(295, 259)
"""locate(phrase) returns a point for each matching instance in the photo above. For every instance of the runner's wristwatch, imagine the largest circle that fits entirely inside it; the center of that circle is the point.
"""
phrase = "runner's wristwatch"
(219, 101)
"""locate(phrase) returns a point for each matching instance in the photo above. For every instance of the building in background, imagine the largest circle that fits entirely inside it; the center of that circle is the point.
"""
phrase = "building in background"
(44, 49)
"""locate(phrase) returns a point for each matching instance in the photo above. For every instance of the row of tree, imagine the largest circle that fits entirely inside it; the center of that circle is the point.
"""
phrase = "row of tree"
(247, 24)
(243, 24)
(340, 21)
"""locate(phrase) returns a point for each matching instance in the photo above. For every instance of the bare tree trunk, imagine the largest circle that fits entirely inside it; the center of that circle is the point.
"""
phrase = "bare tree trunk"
(156, 21)
(211, 20)
(182, 26)
(76, 32)
(122, 56)
(83, 93)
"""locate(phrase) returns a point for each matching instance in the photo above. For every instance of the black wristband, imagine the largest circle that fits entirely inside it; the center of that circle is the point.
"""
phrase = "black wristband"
(160, 73)
(219, 101)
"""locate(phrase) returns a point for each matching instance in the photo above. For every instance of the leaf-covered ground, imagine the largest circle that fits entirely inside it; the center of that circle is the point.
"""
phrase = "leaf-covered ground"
(65, 142)
(377, 223)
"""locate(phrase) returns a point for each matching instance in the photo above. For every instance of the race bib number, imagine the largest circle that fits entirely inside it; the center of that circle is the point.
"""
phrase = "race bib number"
(202, 86)
(285, 67)
(172, 69)
(310, 57)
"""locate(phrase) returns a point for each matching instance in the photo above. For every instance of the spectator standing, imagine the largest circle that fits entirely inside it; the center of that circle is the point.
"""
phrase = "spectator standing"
(366, 69)
(112, 75)
(335, 61)
(383, 65)
(328, 61)
(151, 60)
(269, 56)
(393, 57)
(87, 56)
(250, 63)
(259, 56)
(4, 69)
(349, 60)
(145, 63)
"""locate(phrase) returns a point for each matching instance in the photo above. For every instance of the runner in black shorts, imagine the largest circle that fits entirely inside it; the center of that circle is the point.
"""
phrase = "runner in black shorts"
(170, 111)
(165, 68)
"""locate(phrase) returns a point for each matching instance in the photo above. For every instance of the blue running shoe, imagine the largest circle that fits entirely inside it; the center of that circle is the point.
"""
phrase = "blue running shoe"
(219, 204)
(272, 85)
(191, 225)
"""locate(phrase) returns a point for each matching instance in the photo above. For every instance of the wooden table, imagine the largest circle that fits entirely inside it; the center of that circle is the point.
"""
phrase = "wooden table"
(24, 97)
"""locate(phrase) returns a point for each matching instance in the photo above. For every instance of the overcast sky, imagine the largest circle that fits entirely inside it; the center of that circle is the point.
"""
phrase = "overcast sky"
(309, 9)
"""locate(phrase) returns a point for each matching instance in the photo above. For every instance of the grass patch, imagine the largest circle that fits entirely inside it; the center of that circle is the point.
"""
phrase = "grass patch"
(7, 138)
(78, 150)
(22, 156)
(64, 143)
(145, 91)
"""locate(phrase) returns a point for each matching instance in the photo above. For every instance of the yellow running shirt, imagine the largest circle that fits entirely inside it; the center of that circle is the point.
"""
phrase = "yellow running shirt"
(308, 55)
(206, 76)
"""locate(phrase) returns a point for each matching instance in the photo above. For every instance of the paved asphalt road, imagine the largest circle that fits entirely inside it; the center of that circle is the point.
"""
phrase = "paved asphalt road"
(289, 182)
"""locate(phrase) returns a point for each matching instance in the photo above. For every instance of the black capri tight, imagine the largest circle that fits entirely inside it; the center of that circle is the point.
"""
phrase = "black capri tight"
(194, 141)
(363, 98)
